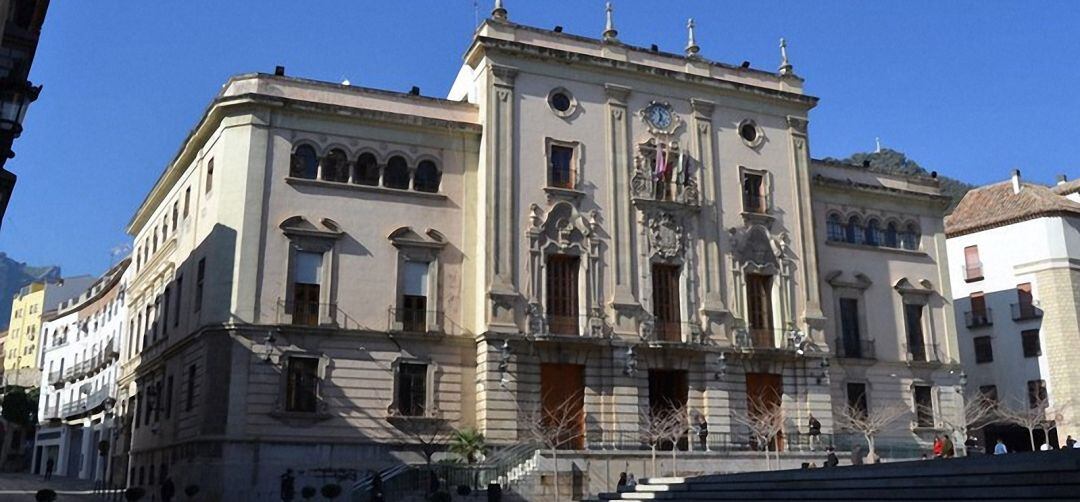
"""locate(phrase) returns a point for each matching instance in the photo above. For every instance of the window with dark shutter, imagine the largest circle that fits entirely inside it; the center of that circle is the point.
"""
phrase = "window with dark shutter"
(984, 351)
(924, 406)
(753, 191)
(307, 277)
(302, 384)
(1036, 393)
(972, 265)
(1029, 339)
(849, 326)
(412, 389)
(759, 306)
(913, 323)
(665, 280)
(856, 399)
(562, 294)
(561, 170)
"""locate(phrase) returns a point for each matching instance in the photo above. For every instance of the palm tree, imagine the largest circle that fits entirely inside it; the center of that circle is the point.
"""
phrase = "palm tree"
(468, 444)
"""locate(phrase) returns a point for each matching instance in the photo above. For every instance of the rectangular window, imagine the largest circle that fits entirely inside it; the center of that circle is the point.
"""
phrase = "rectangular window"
(414, 293)
(924, 406)
(165, 305)
(138, 410)
(160, 400)
(168, 396)
(1036, 393)
(984, 351)
(200, 277)
(856, 399)
(561, 170)
(562, 294)
(187, 201)
(989, 392)
(849, 328)
(306, 287)
(412, 389)
(179, 295)
(1025, 303)
(666, 307)
(149, 408)
(1029, 338)
(753, 192)
(190, 402)
(209, 175)
(979, 315)
(175, 215)
(972, 265)
(913, 322)
(302, 384)
(759, 308)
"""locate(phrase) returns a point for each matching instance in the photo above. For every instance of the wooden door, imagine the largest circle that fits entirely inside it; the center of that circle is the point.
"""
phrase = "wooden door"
(765, 391)
(759, 310)
(562, 294)
(305, 304)
(666, 305)
(562, 393)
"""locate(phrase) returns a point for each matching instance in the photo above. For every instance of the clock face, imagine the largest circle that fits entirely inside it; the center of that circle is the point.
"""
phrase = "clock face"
(658, 115)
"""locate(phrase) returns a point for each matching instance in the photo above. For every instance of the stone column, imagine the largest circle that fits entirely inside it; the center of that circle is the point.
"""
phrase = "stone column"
(617, 137)
(501, 246)
(804, 218)
(1059, 296)
(713, 305)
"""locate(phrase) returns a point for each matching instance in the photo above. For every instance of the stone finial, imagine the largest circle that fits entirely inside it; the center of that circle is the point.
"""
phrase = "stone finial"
(785, 66)
(692, 48)
(610, 33)
(499, 12)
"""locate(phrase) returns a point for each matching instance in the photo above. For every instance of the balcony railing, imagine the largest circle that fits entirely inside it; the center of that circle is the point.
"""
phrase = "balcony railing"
(645, 187)
(754, 203)
(764, 338)
(979, 318)
(410, 320)
(923, 353)
(855, 349)
(56, 378)
(973, 271)
(1025, 311)
(314, 314)
(85, 403)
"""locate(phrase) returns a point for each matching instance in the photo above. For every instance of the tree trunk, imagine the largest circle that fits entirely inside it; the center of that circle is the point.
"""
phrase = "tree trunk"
(654, 460)
(555, 456)
(674, 464)
(1031, 435)
(873, 448)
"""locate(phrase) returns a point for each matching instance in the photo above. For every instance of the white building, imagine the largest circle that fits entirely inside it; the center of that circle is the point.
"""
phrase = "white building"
(81, 346)
(1014, 249)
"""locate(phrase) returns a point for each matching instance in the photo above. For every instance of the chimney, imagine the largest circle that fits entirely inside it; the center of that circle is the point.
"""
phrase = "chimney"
(1061, 179)
(279, 71)
(1016, 181)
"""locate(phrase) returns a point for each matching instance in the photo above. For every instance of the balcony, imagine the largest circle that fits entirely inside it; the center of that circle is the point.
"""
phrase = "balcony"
(972, 272)
(855, 349)
(85, 404)
(979, 318)
(646, 189)
(56, 379)
(755, 204)
(410, 320)
(1025, 311)
(764, 339)
(923, 353)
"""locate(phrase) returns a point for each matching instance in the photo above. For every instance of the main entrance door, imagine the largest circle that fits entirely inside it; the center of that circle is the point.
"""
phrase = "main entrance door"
(667, 392)
(764, 391)
(562, 392)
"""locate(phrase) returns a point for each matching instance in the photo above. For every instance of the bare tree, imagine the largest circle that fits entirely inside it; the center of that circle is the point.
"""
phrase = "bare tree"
(430, 435)
(654, 427)
(869, 422)
(1032, 414)
(556, 428)
(979, 411)
(765, 420)
(675, 427)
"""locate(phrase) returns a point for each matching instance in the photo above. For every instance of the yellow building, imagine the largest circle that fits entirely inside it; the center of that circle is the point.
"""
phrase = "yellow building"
(22, 347)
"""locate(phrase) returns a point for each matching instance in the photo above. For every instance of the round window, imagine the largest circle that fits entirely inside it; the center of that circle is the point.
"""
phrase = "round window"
(559, 101)
(749, 132)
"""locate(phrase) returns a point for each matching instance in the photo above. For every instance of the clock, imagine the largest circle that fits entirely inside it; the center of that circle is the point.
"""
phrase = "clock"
(658, 115)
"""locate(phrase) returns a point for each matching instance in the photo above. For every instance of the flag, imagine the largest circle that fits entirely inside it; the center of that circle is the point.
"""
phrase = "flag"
(680, 169)
(660, 161)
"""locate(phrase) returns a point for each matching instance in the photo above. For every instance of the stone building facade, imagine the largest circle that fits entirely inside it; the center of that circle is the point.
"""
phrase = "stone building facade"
(324, 270)
(30, 306)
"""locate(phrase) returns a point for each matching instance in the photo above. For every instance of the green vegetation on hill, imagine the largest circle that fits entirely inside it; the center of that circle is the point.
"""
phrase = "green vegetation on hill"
(896, 162)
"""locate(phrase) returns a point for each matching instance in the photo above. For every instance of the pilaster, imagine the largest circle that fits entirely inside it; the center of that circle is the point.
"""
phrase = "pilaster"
(800, 150)
(501, 244)
(713, 305)
(617, 137)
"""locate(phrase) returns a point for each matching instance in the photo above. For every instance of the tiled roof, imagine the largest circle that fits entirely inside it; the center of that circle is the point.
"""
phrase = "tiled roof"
(1067, 188)
(996, 205)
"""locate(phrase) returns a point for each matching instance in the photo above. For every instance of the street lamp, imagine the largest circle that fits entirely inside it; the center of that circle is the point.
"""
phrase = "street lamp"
(504, 363)
(631, 362)
(721, 366)
(15, 98)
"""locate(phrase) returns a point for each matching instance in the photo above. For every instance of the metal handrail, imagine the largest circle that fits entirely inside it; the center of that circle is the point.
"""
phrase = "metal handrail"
(1024, 311)
(979, 318)
(861, 349)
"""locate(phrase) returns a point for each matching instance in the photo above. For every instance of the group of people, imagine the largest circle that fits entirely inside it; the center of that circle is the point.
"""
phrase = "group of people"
(943, 447)
(626, 481)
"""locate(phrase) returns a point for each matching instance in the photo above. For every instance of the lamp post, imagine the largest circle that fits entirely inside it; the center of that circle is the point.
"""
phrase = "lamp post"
(15, 97)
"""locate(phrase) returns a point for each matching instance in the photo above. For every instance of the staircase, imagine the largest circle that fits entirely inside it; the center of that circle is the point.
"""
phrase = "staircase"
(1052, 475)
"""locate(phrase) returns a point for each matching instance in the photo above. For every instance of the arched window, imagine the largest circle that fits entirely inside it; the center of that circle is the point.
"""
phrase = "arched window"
(873, 233)
(891, 236)
(367, 170)
(427, 177)
(397, 173)
(834, 230)
(335, 166)
(854, 231)
(305, 163)
(909, 238)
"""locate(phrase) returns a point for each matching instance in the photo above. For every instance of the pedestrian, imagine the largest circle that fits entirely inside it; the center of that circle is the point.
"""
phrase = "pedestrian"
(49, 464)
(630, 481)
(948, 449)
(939, 446)
(831, 460)
(168, 489)
(1000, 448)
(815, 431)
(622, 482)
(1070, 442)
(703, 433)
(288, 488)
(971, 445)
(857, 455)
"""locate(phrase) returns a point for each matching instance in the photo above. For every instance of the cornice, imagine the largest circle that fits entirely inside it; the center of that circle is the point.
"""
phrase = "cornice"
(825, 181)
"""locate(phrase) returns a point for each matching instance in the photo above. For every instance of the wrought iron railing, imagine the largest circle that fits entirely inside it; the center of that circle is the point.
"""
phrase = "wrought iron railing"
(413, 320)
(314, 314)
(855, 349)
(979, 318)
(973, 271)
(923, 352)
(1024, 311)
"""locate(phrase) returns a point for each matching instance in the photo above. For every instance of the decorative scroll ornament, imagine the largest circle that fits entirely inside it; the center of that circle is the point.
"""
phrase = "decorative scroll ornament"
(666, 235)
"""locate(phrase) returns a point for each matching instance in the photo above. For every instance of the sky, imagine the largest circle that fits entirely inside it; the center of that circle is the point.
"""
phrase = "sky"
(972, 89)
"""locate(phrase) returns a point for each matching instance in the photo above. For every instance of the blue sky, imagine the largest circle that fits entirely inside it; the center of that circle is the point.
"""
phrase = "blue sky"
(970, 89)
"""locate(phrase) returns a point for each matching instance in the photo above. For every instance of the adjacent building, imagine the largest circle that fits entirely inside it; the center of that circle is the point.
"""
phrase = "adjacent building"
(82, 343)
(324, 272)
(1014, 247)
(22, 359)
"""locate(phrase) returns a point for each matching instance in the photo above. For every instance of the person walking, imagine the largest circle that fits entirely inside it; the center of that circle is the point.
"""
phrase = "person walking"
(49, 464)
(703, 433)
(622, 482)
(1000, 448)
(948, 449)
(168, 489)
(831, 460)
(815, 431)
(939, 446)
(1070, 442)
(630, 481)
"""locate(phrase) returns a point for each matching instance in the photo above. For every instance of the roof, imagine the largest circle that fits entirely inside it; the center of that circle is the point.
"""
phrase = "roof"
(996, 205)
(1067, 187)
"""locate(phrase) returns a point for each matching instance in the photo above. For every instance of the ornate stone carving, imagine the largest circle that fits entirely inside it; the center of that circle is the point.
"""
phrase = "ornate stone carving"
(682, 187)
(666, 235)
(797, 123)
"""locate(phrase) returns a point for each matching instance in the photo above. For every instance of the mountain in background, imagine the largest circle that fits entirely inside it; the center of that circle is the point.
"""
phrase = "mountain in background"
(15, 275)
(896, 162)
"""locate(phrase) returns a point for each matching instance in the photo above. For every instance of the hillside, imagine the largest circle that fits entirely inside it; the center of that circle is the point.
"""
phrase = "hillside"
(15, 275)
(897, 162)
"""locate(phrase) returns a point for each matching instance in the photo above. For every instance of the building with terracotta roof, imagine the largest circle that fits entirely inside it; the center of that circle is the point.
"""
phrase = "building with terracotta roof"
(1015, 253)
